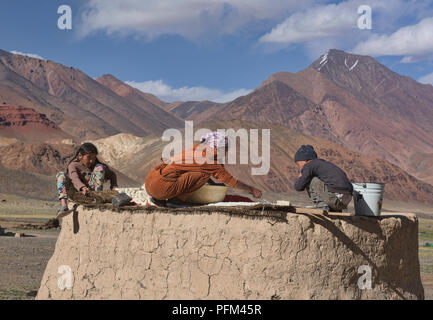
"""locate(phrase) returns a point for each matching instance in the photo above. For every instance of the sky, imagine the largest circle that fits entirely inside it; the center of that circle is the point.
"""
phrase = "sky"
(183, 50)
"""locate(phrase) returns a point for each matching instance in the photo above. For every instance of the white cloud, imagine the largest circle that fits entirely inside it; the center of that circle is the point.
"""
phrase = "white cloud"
(427, 79)
(414, 42)
(31, 55)
(315, 23)
(170, 94)
(321, 27)
(333, 21)
(188, 18)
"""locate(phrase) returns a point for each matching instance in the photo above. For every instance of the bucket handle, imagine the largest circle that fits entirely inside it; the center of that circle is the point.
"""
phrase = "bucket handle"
(357, 195)
(363, 184)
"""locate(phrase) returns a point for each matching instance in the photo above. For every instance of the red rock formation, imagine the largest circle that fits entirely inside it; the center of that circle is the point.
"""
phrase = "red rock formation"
(28, 125)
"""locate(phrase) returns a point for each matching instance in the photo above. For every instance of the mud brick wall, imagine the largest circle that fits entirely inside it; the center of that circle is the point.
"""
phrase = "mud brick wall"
(107, 253)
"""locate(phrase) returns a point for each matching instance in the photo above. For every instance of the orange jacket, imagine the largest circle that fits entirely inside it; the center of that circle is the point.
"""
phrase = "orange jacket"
(198, 159)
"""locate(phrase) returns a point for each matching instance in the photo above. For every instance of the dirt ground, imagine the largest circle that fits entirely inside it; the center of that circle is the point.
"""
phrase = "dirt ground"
(23, 260)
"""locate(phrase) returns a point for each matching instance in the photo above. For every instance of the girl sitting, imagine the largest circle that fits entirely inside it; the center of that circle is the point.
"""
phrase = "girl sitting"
(84, 173)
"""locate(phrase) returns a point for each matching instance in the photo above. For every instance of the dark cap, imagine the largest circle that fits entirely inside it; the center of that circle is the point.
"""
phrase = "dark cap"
(304, 153)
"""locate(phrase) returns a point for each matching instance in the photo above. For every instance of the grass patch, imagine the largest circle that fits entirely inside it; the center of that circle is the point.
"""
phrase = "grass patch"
(426, 259)
(15, 294)
(41, 216)
(16, 207)
(425, 230)
(28, 214)
(425, 234)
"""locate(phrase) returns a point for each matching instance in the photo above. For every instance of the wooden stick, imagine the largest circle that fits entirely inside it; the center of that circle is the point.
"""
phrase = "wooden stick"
(323, 212)
(309, 210)
(341, 214)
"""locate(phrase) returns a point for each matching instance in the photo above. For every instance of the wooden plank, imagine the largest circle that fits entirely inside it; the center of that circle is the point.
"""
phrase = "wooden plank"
(340, 214)
(309, 210)
(322, 212)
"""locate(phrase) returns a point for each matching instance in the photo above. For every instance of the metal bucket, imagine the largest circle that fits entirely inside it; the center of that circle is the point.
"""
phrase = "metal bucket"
(368, 198)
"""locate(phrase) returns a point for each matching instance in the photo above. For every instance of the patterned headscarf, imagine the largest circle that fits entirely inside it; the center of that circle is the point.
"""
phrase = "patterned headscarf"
(215, 140)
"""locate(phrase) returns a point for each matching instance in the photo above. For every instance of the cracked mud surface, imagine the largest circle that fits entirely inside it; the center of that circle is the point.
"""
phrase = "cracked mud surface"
(161, 255)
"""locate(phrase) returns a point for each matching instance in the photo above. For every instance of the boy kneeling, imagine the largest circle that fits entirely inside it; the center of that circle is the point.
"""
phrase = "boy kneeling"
(327, 185)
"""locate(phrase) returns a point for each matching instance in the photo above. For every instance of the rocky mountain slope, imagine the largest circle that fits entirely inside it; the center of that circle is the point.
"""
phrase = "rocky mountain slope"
(39, 158)
(348, 99)
(77, 104)
(195, 110)
(27, 184)
(382, 90)
(147, 102)
(28, 125)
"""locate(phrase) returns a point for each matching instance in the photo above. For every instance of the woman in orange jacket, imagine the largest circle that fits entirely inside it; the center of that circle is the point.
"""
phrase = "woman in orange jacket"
(190, 170)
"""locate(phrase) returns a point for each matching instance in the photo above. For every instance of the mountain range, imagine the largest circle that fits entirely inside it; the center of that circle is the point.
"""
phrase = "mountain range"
(76, 103)
(349, 99)
(373, 122)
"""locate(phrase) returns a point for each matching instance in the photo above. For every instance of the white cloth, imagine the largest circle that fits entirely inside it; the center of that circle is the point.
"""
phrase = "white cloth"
(345, 198)
(215, 140)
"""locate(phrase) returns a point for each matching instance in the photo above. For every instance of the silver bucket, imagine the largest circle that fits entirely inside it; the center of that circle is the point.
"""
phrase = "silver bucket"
(368, 198)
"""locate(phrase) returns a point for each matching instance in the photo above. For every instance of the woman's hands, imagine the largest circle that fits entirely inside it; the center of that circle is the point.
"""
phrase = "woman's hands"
(244, 187)
(256, 193)
(84, 190)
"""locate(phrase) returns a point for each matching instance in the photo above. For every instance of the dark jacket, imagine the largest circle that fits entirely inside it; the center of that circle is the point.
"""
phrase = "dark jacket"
(334, 178)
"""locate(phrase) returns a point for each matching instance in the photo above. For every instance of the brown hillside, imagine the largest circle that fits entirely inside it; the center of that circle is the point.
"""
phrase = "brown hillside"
(71, 118)
(124, 90)
(382, 90)
(27, 184)
(75, 102)
(148, 102)
(173, 105)
(196, 110)
(354, 124)
(40, 158)
(349, 99)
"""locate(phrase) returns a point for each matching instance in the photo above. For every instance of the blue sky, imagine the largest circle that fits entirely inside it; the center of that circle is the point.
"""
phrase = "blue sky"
(216, 49)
